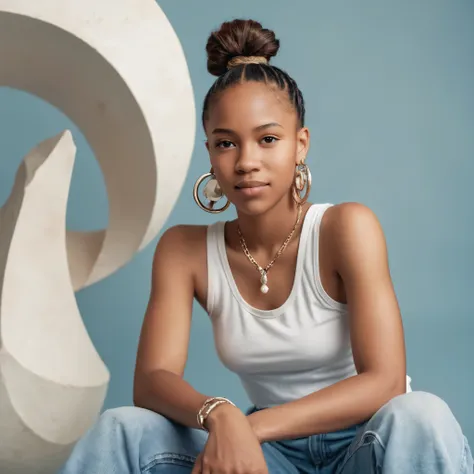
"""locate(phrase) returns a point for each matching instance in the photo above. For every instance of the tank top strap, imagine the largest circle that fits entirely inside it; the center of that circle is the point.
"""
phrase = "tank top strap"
(313, 261)
(215, 273)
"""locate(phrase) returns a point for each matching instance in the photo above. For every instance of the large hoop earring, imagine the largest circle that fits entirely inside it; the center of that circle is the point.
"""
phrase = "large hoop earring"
(302, 183)
(212, 191)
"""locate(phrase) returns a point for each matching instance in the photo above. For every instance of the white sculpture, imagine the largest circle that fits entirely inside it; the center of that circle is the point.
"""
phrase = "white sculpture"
(53, 381)
(116, 68)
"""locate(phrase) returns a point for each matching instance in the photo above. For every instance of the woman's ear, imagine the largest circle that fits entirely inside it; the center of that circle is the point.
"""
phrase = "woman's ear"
(303, 140)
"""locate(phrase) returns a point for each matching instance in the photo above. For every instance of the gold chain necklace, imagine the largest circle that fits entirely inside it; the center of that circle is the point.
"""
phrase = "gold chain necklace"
(263, 271)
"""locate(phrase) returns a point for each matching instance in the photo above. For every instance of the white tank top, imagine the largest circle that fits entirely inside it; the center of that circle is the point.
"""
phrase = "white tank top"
(287, 353)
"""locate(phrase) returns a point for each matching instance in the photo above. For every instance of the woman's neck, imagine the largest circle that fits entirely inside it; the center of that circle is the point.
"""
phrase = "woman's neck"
(267, 232)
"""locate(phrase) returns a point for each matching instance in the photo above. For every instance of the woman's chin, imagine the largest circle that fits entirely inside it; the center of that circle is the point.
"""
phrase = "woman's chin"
(253, 207)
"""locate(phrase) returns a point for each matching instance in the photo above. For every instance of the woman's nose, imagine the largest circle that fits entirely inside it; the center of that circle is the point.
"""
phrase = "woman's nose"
(247, 160)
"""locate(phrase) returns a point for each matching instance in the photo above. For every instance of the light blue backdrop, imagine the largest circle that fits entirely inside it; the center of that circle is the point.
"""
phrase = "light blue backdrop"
(389, 93)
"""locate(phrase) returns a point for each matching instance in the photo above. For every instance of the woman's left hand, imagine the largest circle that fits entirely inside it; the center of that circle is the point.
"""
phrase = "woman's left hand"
(232, 446)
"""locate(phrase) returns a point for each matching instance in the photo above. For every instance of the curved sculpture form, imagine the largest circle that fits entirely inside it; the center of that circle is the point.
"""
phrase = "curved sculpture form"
(53, 381)
(116, 68)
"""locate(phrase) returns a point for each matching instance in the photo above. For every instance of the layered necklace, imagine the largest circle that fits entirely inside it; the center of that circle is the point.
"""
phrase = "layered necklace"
(264, 270)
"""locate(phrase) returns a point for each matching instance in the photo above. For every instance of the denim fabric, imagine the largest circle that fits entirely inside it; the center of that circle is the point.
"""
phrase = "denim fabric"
(413, 433)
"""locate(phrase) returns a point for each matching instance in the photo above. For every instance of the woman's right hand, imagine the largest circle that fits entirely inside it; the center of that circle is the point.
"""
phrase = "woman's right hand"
(232, 446)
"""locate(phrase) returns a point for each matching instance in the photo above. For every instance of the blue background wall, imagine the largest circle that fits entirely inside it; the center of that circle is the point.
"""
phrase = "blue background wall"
(390, 105)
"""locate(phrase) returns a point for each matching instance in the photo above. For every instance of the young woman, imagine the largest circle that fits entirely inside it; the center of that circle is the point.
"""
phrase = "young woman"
(302, 307)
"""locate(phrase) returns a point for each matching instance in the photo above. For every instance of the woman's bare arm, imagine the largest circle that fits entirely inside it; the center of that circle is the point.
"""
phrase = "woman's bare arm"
(163, 346)
(376, 333)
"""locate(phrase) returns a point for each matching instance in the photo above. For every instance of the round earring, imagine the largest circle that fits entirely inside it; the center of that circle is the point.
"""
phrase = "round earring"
(302, 181)
(212, 191)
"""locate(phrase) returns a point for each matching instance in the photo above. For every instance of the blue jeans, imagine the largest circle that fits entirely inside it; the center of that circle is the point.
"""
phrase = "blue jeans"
(413, 433)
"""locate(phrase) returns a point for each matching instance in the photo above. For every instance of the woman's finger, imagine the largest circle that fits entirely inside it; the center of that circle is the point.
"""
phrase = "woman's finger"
(205, 469)
(197, 469)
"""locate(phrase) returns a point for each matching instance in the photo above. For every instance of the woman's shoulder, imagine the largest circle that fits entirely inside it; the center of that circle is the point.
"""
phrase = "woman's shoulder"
(347, 214)
(183, 248)
(350, 227)
(186, 230)
(183, 238)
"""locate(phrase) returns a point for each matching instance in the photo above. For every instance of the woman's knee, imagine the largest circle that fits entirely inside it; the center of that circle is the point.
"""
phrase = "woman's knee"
(419, 410)
(416, 428)
(423, 408)
(132, 419)
(135, 423)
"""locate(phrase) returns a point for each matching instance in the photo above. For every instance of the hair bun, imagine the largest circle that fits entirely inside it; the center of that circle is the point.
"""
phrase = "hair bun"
(239, 38)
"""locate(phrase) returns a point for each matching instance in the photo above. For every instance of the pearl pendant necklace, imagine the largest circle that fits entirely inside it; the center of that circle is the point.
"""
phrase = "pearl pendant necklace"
(264, 271)
(263, 280)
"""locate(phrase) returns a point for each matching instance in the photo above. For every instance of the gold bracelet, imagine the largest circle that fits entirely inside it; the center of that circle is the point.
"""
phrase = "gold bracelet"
(200, 419)
(207, 407)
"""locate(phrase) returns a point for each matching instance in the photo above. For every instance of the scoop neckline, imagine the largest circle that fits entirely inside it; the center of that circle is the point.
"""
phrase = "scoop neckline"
(267, 313)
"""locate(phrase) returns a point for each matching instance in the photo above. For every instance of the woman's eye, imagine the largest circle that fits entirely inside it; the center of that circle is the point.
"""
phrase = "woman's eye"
(224, 144)
(270, 140)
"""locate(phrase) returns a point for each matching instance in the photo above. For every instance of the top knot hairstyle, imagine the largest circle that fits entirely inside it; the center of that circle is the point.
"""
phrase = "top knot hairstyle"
(240, 51)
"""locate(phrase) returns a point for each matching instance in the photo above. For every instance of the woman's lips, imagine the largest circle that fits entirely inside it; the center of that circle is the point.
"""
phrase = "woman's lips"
(253, 189)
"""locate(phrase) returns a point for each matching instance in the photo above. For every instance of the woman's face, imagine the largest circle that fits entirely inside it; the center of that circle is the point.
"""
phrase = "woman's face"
(254, 144)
